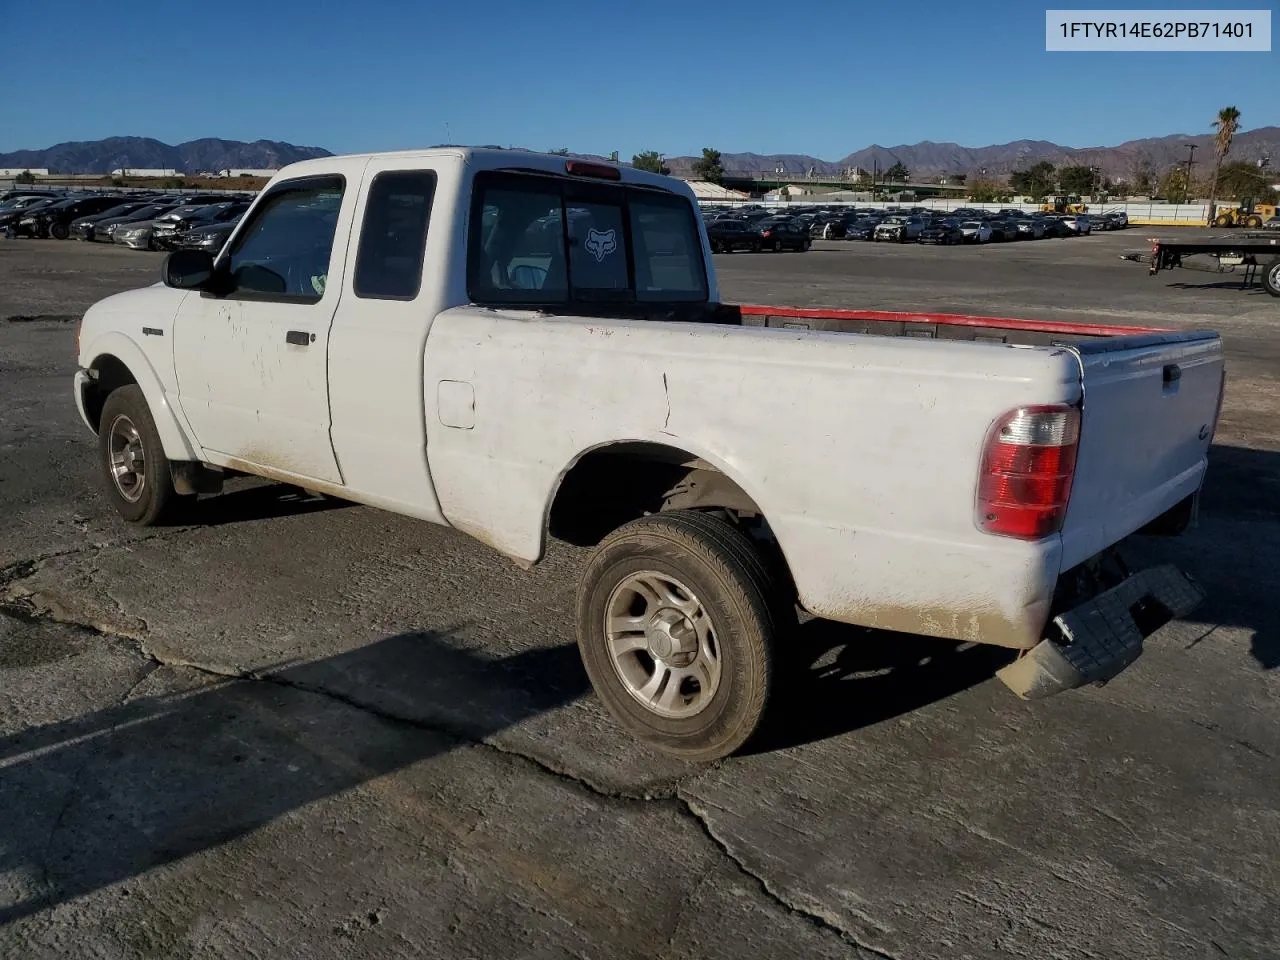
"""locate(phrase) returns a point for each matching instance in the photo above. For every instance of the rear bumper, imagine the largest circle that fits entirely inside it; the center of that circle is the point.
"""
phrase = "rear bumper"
(1099, 638)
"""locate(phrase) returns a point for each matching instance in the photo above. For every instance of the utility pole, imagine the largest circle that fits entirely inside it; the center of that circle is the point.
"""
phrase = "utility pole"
(1186, 185)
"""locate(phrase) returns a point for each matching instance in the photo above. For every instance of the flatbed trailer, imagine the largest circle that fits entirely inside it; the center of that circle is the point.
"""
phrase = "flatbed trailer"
(1258, 253)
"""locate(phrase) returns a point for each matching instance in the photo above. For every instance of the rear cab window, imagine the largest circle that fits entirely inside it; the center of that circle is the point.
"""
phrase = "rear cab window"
(546, 240)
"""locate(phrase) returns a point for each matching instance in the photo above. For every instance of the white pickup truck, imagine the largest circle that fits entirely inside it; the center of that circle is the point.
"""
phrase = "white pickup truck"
(522, 346)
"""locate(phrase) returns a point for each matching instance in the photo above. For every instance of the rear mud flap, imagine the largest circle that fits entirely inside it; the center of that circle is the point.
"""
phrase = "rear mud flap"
(1098, 639)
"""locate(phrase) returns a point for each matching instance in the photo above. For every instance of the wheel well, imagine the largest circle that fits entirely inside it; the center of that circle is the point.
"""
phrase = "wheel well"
(109, 374)
(620, 483)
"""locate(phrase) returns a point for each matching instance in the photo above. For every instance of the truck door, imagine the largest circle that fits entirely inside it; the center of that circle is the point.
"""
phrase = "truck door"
(251, 364)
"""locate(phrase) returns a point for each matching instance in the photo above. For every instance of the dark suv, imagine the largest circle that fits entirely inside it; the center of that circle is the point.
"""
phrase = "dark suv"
(55, 220)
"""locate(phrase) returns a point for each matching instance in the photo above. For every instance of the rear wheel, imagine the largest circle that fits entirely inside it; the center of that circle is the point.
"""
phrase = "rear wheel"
(1253, 223)
(138, 479)
(777, 246)
(1222, 221)
(1271, 278)
(677, 618)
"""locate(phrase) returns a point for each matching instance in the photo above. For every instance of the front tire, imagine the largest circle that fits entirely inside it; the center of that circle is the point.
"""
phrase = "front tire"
(677, 618)
(138, 479)
(59, 231)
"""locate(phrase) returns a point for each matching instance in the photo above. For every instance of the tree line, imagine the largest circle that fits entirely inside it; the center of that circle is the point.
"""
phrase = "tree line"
(1042, 179)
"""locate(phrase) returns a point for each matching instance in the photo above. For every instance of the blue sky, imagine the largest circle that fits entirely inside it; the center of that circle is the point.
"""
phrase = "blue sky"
(821, 78)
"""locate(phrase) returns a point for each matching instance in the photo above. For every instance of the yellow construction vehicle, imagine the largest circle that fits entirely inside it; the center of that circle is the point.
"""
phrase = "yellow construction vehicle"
(1071, 204)
(1248, 214)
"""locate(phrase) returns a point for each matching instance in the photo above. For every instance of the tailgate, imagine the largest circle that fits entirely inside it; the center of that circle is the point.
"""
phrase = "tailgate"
(1149, 411)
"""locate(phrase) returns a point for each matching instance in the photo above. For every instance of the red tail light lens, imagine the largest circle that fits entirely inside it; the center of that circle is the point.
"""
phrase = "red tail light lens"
(1028, 462)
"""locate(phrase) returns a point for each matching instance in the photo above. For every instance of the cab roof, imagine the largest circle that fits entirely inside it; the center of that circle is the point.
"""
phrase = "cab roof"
(492, 158)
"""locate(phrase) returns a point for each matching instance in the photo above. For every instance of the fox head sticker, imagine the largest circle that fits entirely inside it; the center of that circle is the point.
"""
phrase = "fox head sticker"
(601, 243)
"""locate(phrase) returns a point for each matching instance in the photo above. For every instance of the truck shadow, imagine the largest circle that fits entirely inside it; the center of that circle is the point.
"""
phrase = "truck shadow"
(105, 797)
(836, 679)
(1253, 289)
(263, 500)
(1234, 550)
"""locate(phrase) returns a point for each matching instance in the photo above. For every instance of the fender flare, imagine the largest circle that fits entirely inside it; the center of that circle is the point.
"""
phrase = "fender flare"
(173, 437)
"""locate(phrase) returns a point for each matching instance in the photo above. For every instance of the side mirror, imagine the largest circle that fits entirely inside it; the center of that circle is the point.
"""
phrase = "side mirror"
(187, 269)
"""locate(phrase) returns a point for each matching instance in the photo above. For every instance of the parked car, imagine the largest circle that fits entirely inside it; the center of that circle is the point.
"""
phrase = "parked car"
(900, 228)
(82, 228)
(1077, 223)
(891, 229)
(976, 231)
(862, 229)
(1272, 223)
(1003, 230)
(728, 234)
(942, 232)
(10, 217)
(1030, 229)
(56, 220)
(208, 238)
(779, 235)
(829, 227)
(1122, 219)
(134, 234)
(168, 227)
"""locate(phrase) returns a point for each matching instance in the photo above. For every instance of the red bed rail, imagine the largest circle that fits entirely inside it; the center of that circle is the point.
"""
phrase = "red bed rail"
(954, 319)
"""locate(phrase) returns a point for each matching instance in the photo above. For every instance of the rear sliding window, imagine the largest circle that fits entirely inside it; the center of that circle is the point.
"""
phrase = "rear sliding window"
(550, 240)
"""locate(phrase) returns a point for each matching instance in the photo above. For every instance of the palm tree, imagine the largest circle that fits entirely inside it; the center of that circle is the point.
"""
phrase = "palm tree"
(1227, 124)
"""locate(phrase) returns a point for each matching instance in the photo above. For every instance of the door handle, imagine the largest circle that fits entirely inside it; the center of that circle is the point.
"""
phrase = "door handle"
(299, 338)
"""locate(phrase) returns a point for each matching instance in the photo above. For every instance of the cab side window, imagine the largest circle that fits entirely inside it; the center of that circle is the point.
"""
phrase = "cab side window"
(284, 252)
(393, 237)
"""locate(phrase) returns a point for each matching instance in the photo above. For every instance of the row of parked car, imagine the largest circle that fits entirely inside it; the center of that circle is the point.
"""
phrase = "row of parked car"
(753, 227)
(141, 221)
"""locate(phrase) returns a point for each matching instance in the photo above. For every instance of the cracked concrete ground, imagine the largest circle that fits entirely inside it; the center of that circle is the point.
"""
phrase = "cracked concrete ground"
(301, 729)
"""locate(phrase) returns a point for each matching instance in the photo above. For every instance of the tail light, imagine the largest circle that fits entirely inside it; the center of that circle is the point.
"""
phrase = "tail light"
(766, 233)
(1028, 461)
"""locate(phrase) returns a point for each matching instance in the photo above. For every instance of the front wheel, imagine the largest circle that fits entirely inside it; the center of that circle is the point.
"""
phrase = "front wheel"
(59, 231)
(677, 617)
(138, 479)
(1253, 223)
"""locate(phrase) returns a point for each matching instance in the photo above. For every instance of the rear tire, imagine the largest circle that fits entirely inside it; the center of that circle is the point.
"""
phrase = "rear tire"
(1254, 223)
(1271, 278)
(677, 618)
(138, 479)
(777, 246)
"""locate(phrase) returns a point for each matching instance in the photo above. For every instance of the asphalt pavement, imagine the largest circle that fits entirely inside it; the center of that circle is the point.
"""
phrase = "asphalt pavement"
(298, 728)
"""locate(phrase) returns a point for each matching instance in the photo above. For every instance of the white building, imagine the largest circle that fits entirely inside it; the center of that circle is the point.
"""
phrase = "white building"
(19, 171)
(268, 174)
(139, 172)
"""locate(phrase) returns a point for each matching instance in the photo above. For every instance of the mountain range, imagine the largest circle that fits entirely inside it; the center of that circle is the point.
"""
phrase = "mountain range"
(924, 160)
(194, 156)
(929, 159)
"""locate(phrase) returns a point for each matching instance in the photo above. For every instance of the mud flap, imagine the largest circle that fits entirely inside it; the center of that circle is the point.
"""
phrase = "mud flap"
(1098, 639)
